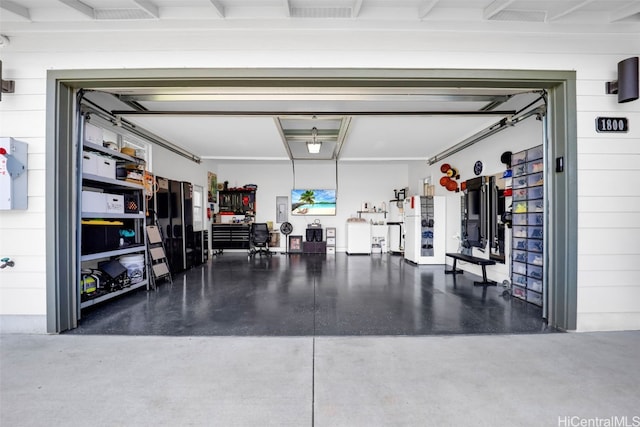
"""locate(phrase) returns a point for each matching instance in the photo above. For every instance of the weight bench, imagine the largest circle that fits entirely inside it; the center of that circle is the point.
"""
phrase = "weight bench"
(471, 260)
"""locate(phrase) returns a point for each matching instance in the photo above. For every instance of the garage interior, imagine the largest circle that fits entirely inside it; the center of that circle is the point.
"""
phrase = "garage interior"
(289, 294)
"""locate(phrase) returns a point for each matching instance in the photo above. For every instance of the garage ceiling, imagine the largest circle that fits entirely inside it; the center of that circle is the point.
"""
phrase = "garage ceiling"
(353, 124)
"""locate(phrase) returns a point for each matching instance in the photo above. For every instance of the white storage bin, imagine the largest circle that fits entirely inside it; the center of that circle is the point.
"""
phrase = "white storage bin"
(519, 280)
(535, 179)
(536, 193)
(89, 163)
(535, 153)
(534, 284)
(519, 292)
(534, 298)
(519, 268)
(520, 194)
(115, 203)
(93, 134)
(520, 231)
(520, 256)
(535, 206)
(92, 201)
(331, 250)
(331, 241)
(106, 167)
(535, 258)
(517, 158)
(519, 219)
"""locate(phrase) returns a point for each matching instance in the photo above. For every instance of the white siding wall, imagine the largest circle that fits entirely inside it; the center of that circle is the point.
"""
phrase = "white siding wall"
(609, 294)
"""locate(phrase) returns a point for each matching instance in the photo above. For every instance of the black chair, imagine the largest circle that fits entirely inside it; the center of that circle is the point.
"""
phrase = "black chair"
(259, 239)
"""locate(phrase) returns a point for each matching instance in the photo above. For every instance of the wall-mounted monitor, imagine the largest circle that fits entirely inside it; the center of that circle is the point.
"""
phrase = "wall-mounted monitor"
(313, 202)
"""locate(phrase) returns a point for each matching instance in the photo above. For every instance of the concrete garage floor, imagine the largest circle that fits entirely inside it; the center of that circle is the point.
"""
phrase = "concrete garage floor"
(314, 295)
(490, 380)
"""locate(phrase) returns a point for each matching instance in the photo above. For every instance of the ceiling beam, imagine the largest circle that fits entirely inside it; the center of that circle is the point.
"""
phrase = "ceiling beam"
(426, 7)
(14, 8)
(624, 12)
(496, 7)
(567, 10)
(287, 8)
(219, 7)
(355, 9)
(148, 7)
(80, 7)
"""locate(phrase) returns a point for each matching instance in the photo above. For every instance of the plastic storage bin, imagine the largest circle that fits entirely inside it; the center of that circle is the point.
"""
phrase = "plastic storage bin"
(520, 207)
(534, 246)
(520, 194)
(520, 170)
(520, 268)
(534, 272)
(520, 256)
(519, 279)
(535, 258)
(534, 297)
(535, 206)
(535, 166)
(535, 219)
(534, 284)
(535, 179)
(520, 231)
(519, 219)
(518, 158)
(520, 244)
(135, 267)
(535, 232)
(535, 193)
(519, 292)
(520, 182)
(535, 153)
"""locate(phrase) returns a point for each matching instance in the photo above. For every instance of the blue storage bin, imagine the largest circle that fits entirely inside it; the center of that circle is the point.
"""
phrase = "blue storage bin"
(520, 244)
(534, 246)
(535, 232)
(534, 272)
(520, 256)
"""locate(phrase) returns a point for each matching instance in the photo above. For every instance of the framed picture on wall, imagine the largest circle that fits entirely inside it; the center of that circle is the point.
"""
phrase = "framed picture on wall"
(295, 244)
(212, 192)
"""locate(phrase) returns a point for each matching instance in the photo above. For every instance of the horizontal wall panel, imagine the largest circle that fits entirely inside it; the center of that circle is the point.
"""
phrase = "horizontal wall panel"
(626, 220)
(610, 184)
(23, 102)
(609, 145)
(609, 299)
(588, 322)
(23, 241)
(37, 161)
(595, 87)
(12, 279)
(610, 241)
(604, 262)
(19, 219)
(23, 301)
(607, 162)
(613, 278)
(586, 122)
(23, 124)
(609, 204)
(602, 103)
(25, 86)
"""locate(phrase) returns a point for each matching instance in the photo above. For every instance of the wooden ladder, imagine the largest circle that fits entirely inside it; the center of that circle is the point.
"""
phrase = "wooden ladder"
(158, 263)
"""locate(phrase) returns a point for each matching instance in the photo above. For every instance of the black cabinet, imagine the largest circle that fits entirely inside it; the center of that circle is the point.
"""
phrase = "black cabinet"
(230, 236)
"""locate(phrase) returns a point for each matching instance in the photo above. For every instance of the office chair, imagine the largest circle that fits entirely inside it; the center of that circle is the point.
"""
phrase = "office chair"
(259, 239)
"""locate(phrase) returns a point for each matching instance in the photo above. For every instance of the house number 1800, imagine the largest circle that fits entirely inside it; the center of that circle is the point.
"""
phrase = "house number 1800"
(612, 124)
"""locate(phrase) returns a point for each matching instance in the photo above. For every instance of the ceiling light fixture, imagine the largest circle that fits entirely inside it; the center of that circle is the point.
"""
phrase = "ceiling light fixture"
(313, 146)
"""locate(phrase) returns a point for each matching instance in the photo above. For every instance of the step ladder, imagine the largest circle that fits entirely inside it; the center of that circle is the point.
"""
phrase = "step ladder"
(158, 262)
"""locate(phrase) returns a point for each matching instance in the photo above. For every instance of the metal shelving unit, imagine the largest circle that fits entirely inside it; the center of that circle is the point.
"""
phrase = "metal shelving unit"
(99, 182)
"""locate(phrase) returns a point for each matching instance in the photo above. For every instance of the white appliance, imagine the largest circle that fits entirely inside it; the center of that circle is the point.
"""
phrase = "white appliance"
(425, 229)
(358, 238)
(396, 227)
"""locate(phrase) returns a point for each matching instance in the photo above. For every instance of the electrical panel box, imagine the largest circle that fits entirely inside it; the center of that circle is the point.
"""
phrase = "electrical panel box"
(13, 174)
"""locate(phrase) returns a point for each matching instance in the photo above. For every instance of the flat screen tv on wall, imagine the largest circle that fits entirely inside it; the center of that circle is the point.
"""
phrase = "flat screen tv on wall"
(312, 202)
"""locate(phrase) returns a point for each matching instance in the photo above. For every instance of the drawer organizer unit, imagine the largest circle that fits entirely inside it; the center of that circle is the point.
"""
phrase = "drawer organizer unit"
(527, 257)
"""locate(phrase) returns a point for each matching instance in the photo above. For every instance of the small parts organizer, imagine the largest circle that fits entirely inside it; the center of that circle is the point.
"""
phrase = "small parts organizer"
(527, 268)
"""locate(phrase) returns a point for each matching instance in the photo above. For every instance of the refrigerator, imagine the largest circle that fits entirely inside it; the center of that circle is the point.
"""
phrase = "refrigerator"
(358, 238)
(396, 227)
(425, 228)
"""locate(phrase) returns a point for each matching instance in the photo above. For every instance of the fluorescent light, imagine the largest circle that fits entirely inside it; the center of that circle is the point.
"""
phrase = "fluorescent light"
(314, 147)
